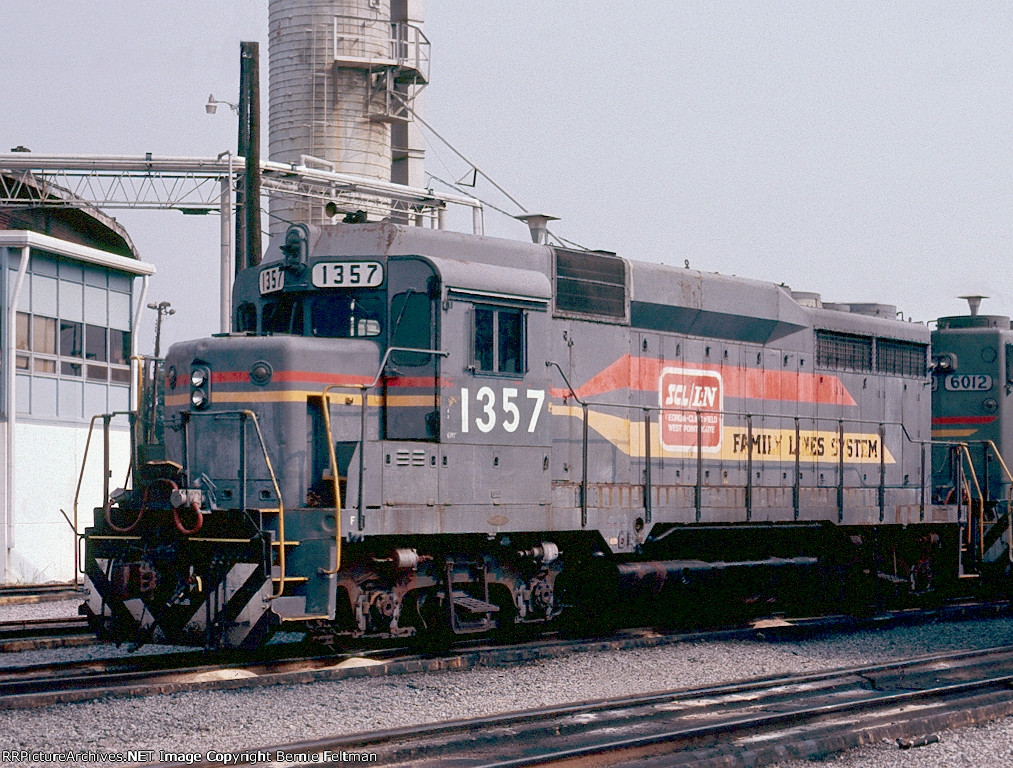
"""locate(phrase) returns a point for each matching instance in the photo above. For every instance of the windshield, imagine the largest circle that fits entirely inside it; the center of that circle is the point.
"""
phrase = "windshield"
(343, 316)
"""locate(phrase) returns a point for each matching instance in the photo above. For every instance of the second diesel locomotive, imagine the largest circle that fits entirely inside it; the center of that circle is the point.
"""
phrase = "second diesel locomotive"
(414, 431)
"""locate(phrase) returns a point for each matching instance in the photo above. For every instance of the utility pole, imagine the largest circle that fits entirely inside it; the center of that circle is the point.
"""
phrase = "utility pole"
(248, 248)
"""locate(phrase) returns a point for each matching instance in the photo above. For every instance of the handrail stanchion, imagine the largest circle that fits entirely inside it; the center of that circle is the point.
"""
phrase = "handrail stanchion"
(921, 494)
(359, 506)
(242, 462)
(979, 523)
(974, 524)
(277, 494)
(840, 470)
(749, 467)
(699, 468)
(985, 474)
(583, 469)
(77, 495)
(647, 465)
(106, 471)
(325, 401)
(796, 489)
(882, 471)
(184, 440)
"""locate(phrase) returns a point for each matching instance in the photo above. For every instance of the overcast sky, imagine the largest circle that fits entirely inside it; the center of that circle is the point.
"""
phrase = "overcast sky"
(861, 150)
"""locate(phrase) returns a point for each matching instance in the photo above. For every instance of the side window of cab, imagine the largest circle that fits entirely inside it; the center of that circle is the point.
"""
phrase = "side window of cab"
(499, 340)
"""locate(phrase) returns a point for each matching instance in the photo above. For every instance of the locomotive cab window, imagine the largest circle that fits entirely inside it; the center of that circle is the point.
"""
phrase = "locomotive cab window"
(499, 340)
(414, 312)
(246, 317)
(411, 313)
(283, 316)
(346, 317)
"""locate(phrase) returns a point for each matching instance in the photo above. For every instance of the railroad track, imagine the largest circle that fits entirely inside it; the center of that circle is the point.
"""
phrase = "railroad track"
(21, 594)
(34, 634)
(752, 723)
(143, 674)
(43, 684)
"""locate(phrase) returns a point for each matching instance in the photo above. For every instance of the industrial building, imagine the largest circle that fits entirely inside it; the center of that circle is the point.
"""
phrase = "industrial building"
(70, 310)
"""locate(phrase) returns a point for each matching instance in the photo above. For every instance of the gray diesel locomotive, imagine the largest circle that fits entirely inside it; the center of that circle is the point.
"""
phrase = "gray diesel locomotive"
(420, 432)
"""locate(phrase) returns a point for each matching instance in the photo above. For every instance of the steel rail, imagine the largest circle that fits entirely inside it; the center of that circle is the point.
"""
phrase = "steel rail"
(38, 593)
(21, 627)
(33, 685)
(36, 634)
(676, 724)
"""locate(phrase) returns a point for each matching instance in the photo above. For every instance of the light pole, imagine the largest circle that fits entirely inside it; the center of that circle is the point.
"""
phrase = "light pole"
(163, 309)
(225, 210)
(212, 106)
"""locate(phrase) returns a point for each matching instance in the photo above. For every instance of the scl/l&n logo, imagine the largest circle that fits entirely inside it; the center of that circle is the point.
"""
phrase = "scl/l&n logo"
(684, 393)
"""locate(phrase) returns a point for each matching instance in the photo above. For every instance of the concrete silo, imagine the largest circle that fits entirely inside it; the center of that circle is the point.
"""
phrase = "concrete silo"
(344, 81)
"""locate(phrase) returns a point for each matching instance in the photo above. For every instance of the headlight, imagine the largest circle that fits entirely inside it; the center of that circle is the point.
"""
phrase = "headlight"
(200, 387)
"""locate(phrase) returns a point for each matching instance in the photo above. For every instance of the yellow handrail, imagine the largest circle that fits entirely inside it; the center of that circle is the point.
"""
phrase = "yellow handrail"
(1009, 477)
(1002, 463)
(281, 504)
(325, 404)
(274, 483)
(965, 452)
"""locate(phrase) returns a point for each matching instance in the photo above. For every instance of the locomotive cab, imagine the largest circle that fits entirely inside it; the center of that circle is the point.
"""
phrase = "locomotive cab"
(972, 425)
(339, 411)
(971, 385)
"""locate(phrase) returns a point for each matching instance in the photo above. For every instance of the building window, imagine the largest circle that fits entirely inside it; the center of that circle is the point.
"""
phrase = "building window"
(72, 337)
(23, 343)
(499, 340)
(95, 341)
(71, 345)
(47, 345)
(43, 343)
(119, 355)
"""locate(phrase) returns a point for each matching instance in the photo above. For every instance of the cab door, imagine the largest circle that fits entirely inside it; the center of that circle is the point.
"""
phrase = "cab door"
(411, 379)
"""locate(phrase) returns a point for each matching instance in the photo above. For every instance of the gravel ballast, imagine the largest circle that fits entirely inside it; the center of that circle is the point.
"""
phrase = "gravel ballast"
(267, 716)
(47, 609)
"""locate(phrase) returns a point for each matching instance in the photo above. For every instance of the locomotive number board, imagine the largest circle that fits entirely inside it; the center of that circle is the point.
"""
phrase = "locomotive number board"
(271, 280)
(968, 382)
(347, 274)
